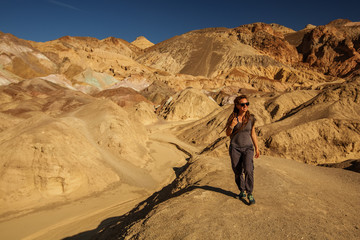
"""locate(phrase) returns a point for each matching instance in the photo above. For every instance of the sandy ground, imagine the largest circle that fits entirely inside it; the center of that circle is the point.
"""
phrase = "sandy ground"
(293, 201)
(71, 218)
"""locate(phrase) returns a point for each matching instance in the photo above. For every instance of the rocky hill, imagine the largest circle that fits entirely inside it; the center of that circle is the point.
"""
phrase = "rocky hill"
(80, 116)
(142, 42)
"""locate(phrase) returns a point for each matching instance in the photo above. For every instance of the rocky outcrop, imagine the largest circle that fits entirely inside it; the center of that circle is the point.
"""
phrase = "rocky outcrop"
(321, 130)
(333, 49)
(282, 104)
(73, 55)
(158, 92)
(187, 104)
(265, 38)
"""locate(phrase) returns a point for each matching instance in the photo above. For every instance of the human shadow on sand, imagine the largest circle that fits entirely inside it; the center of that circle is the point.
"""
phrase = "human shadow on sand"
(116, 227)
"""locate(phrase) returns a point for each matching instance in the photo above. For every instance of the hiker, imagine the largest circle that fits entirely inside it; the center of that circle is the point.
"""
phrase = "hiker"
(240, 128)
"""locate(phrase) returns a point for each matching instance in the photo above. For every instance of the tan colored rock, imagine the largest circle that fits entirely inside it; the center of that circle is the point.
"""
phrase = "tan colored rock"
(282, 104)
(188, 104)
(158, 92)
(241, 57)
(64, 145)
(122, 96)
(20, 58)
(282, 29)
(265, 38)
(142, 42)
(207, 129)
(50, 160)
(322, 130)
(310, 26)
(323, 141)
(143, 112)
(94, 64)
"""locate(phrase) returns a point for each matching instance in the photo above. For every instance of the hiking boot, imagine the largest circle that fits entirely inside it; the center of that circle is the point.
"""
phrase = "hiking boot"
(251, 199)
(242, 195)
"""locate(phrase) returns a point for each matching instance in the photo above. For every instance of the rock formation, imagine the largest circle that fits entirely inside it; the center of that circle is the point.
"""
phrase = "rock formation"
(187, 104)
(333, 49)
(80, 115)
(59, 144)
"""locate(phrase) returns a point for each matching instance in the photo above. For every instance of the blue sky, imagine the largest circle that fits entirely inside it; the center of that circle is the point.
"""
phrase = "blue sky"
(158, 20)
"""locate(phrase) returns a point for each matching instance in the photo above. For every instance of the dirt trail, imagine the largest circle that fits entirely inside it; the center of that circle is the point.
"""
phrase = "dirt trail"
(293, 201)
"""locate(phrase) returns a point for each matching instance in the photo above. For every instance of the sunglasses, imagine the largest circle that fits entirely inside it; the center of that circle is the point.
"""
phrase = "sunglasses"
(243, 104)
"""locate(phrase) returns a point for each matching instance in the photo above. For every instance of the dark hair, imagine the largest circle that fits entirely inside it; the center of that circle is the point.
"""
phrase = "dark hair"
(237, 101)
(236, 112)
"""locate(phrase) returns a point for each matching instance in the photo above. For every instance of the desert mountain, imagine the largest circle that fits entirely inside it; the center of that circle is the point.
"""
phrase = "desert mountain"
(142, 42)
(255, 54)
(92, 62)
(263, 56)
(88, 63)
(82, 117)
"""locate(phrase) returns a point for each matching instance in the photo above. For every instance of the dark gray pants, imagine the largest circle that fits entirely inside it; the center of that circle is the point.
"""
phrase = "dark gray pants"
(242, 164)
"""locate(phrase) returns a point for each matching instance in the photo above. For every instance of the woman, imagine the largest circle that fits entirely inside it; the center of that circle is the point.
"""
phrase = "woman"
(240, 128)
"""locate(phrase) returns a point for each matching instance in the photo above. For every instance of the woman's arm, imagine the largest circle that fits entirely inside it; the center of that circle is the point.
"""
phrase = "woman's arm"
(229, 130)
(255, 141)
(232, 121)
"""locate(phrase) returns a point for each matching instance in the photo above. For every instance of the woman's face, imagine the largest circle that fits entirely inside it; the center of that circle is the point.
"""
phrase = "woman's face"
(242, 105)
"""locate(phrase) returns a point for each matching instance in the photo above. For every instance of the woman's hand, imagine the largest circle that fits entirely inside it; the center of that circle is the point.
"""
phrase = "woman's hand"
(234, 122)
(257, 153)
(230, 128)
